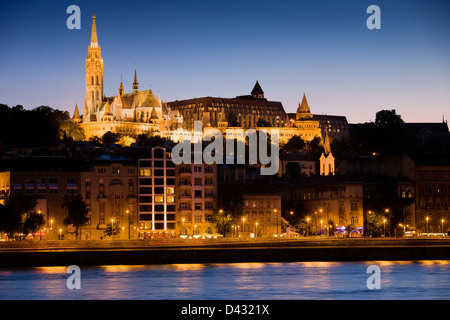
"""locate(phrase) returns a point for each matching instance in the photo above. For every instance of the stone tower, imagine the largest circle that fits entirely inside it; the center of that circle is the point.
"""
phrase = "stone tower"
(94, 77)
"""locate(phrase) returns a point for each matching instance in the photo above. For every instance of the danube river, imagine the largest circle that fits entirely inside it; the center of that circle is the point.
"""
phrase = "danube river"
(240, 281)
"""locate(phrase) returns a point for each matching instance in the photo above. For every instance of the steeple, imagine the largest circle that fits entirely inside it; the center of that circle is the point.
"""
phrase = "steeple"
(135, 83)
(94, 76)
(159, 100)
(76, 115)
(326, 144)
(121, 90)
(303, 110)
(94, 41)
(257, 91)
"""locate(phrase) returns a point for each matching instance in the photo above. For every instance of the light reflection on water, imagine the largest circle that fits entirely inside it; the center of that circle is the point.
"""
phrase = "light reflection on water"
(235, 281)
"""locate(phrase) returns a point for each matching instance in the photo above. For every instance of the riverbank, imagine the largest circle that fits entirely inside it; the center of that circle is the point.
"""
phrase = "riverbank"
(138, 252)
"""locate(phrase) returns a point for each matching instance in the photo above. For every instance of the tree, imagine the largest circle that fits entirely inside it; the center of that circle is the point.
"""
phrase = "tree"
(232, 202)
(76, 212)
(21, 203)
(110, 137)
(223, 221)
(111, 230)
(387, 118)
(295, 144)
(68, 129)
(293, 170)
(33, 222)
(10, 220)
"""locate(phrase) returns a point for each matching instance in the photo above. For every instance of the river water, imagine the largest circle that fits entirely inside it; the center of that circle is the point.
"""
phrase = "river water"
(240, 281)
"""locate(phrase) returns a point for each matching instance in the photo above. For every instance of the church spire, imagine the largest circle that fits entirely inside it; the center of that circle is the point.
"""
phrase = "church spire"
(94, 41)
(135, 83)
(121, 89)
(303, 110)
(326, 144)
(76, 115)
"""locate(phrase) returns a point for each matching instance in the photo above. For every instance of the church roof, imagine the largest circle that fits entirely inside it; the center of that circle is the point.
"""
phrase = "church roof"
(144, 98)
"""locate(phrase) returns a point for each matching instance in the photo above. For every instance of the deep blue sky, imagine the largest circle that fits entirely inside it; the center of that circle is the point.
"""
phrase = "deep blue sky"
(187, 49)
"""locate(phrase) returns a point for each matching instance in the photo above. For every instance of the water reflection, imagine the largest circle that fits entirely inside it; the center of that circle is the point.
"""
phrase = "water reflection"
(299, 280)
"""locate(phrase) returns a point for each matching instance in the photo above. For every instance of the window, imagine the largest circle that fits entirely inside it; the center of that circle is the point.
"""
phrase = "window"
(101, 170)
(354, 206)
(198, 206)
(145, 172)
(198, 218)
(116, 170)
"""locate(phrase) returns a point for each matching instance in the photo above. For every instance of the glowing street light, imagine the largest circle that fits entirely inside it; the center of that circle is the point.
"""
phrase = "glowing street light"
(243, 224)
(427, 226)
(256, 229)
(307, 219)
(384, 230)
(442, 221)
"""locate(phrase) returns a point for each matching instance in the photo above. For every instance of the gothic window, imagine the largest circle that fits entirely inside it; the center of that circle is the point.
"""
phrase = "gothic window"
(97, 80)
(92, 80)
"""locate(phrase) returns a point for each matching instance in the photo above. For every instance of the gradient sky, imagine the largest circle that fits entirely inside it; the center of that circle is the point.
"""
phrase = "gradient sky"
(187, 49)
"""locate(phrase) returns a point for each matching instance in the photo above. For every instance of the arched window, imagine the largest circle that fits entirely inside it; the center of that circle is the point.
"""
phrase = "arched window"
(92, 80)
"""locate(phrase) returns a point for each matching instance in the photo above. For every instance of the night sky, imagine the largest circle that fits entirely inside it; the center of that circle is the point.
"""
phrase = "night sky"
(187, 49)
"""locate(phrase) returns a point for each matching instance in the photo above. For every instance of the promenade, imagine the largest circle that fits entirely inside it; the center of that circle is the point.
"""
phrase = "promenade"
(227, 250)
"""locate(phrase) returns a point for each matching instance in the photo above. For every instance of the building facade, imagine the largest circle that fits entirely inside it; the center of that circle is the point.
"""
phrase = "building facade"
(196, 198)
(109, 189)
(157, 208)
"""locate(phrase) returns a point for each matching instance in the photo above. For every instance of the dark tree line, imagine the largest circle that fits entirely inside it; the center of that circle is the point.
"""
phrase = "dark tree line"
(29, 128)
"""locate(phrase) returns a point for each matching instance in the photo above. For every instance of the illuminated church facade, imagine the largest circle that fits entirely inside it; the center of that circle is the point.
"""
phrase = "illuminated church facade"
(141, 112)
(127, 113)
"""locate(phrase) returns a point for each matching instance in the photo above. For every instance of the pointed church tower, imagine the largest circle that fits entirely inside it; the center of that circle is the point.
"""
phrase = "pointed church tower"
(121, 90)
(107, 115)
(326, 159)
(303, 111)
(159, 100)
(135, 82)
(76, 115)
(94, 76)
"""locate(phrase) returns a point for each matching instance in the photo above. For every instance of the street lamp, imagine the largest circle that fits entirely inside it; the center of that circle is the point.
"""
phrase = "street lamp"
(275, 212)
(442, 221)
(384, 230)
(307, 219)
(321, 221)
(60, 234)
(243, 226)
(427, 226)
(256, 229)
(128, 213)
